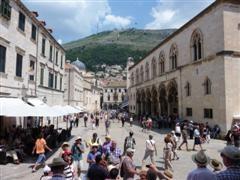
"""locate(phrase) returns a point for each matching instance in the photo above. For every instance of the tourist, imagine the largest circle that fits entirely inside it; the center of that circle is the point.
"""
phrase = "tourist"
(231, 159)
(68, 169)
(114, 154)
(96, 171)
(174, 140)
(76, 120)
(167, 153)
(77, 151)
(107, 126)
(128, 168)
(178, 131)
(113, 172)
(40, 146)
(92, 121)
(123, 120)
(150, 150)
(57, 167)
(92, 154)
(191, 129)
(236, 136)
(107, 144)
(97, 119)
(216, 165)
(95, 140)
(64, 148)
(47, 173)
(197, 138)
(228, 138)
(129, 142)
(202, 172)
(184, 138)
(85, 119)
(131, 121)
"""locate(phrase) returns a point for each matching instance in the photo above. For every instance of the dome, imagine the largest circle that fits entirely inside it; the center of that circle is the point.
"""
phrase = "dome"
(79, 64)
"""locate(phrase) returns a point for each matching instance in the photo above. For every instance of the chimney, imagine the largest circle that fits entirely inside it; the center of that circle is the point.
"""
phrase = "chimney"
(50, 30)
(35, 14)
(43, 23)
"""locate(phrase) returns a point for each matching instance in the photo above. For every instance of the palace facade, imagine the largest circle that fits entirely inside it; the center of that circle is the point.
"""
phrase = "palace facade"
(195, 72)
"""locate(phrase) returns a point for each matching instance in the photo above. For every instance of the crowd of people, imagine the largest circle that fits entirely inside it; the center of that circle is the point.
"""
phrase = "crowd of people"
(16, 143)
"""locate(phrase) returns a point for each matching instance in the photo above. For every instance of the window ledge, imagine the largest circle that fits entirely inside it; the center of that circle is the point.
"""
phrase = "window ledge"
(33, 41)
(21, 31)
(43, 55)
(3, 75)
(17, 78)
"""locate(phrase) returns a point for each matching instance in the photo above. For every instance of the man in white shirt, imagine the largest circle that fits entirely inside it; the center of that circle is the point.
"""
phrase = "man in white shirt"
(150, 150)
(202, 172)
(197, 138)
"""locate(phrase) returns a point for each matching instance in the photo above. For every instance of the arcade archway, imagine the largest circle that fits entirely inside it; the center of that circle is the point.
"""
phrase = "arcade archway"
(163, 100)
(172, 98)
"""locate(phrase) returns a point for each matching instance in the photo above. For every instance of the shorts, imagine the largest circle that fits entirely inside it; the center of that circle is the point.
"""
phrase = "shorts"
(78, 164)
(197, 141)
(41, 158)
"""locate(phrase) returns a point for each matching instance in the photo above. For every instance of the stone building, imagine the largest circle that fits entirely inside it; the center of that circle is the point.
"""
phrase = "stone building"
(31, 60)
(114, 94)
(80, 89)
(195, 72)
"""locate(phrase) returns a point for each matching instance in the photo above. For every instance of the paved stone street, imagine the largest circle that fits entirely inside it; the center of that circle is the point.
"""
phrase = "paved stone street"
(181, 167)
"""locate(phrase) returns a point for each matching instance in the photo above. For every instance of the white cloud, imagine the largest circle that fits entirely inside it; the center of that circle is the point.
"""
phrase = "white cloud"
(75, 19)
(173, 14)
(117, 21)
(59, 41)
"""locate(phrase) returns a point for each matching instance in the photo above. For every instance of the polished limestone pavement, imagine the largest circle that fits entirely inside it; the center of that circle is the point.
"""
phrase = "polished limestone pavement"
(181, 167)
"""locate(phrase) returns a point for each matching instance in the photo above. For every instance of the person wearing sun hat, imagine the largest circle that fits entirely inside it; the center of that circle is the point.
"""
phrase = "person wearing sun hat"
(231, 159)
(57, 167)
(216, 165)
(92, 154)
(202, 172)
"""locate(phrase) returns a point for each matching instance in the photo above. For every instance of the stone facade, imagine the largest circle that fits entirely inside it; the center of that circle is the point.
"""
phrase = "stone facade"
(195, 72)
(29, 69)
(114, 94)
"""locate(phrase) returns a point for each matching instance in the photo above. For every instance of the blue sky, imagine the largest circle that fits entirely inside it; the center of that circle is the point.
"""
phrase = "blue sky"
(75, 19)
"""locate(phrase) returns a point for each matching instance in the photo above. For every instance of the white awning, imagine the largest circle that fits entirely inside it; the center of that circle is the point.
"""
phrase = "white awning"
(36, 102)
(66, 109)
(82, 109)
(236, 116)
(16, 107)
(71, 110)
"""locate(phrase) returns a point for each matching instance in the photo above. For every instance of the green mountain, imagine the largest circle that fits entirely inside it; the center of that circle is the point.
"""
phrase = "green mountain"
(114, 47)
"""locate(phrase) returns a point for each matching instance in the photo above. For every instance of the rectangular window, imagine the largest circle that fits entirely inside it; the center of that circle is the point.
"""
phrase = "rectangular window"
(34, 32)
(31, 70)
(43, 46)
(50, 80)
(56, 62)
(188, 111)
(208, 113)
(61, 61)
(5, 9)
(21, 21)
(51, 53)
(60, 82)
(41, 76)
(2, 58)
(55, 85)
(19, 65)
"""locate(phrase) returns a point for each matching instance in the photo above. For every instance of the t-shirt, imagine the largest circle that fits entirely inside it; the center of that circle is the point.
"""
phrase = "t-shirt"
(96, 172)
(129, 142)
(127, 165)
(92, 156)
(40, 146)
(201, 174)
(196, 133)
(68, 172)
(131, 119)
(77, 151)
(150, 145)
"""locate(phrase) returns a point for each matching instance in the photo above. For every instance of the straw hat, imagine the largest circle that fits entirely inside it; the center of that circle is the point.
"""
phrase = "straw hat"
(107, 137)
(57, 162)
(65, 144)
(231, 152)
(78, 138)
(168, 173)
(215, 164)
(94, 145)
(200, 158)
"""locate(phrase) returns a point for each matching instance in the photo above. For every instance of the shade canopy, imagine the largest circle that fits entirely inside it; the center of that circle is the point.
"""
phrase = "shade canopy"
(236, 116)
(16, 107)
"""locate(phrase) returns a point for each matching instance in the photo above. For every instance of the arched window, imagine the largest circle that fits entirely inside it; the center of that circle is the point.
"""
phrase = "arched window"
(161, 63)
(173, 56)
(137, 76)
(132, 79)
(147, 71)
(142, 74)
(197, 45)
(188, 89)
(154, 67)
(207, 86)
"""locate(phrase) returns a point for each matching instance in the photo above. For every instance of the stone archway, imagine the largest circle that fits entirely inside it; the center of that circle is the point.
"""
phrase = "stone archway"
(143, 101)
(163, 100)
(148, 102)
(138, 103)
(172, 98)
(154, 104)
